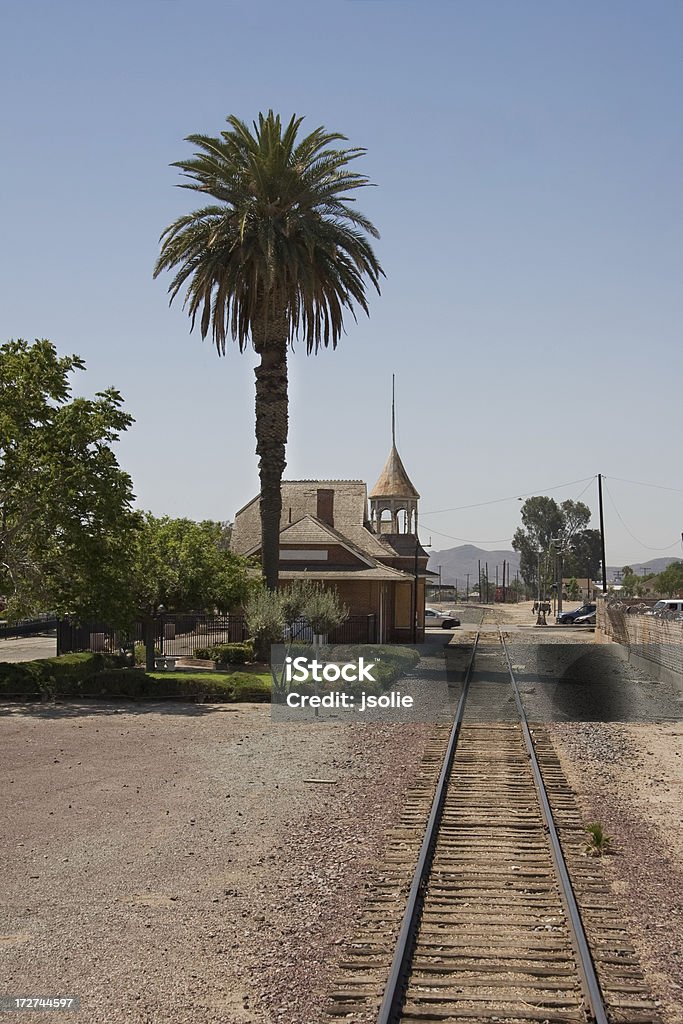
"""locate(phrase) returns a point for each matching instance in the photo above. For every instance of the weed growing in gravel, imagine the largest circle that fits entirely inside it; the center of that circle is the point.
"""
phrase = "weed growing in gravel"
(598, 843)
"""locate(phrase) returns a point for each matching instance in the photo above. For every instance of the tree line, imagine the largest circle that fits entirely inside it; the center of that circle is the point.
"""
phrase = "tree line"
(71, 541)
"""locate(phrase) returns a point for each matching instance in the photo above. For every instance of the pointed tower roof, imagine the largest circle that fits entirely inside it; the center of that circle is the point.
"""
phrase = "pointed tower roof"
(393, 481)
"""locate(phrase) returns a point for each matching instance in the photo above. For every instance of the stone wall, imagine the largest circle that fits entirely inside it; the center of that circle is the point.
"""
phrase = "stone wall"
(653, 643)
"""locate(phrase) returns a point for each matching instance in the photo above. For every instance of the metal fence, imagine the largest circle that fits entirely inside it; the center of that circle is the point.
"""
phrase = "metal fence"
(358, 629)
(26, 627)
(177, 636)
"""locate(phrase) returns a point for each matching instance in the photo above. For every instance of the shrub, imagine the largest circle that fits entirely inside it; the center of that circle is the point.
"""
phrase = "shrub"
(263, 612)
(227, 654)
(251, 689)
(324, 610)
(99, 676)
(598, 843)
(401, 659)
(122, 682)
(237, 686)
(64, 675)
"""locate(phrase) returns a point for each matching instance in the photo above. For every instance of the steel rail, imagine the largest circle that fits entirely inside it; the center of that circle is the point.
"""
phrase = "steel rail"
(589, 979)
(394, 991)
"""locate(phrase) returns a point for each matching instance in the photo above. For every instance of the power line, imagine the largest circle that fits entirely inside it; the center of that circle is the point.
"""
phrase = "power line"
(513, 497)
(581, 493)
(639, 483)
(465, 540)
(648, 547)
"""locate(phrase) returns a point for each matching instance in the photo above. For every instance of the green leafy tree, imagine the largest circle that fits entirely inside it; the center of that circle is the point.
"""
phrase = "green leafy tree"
(585, 552)
(66, 520)
(546, 526)
(185, 566)
(324, 610)
(279, 252)
(271, 615)
(266, 621)
(632, 584)
(182, 565)
(576, 517)
(573, 589)
(670, 582)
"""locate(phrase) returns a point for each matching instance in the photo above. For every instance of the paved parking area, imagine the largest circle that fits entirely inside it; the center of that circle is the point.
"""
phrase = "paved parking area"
(28, 648)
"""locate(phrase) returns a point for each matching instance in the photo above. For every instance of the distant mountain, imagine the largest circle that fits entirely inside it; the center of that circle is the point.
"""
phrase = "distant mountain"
(655, 565)
(456, 563)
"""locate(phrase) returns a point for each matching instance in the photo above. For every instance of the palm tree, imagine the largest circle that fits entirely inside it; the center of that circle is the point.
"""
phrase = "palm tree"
(279, 254)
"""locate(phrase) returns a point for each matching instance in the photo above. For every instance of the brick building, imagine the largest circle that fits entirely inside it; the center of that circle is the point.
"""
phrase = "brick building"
(369, 553)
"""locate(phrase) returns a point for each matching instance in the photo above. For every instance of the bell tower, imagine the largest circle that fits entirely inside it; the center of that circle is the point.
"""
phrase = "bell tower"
(393, 499)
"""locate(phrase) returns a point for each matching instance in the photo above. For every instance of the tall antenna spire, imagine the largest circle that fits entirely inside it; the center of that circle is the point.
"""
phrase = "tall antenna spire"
(393, 410)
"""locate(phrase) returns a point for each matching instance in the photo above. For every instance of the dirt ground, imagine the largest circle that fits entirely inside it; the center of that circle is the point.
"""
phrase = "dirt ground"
(188, 863)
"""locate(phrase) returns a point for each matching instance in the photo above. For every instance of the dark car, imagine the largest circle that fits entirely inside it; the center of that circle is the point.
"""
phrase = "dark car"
(571, 617)
(443, 619)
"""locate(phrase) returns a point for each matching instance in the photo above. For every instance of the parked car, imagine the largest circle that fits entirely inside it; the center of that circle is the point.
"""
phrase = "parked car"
(669, 607)
(583, 610)
(443, 619)
(585, 620)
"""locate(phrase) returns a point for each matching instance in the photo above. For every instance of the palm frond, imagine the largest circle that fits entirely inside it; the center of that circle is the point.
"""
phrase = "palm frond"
(280, 238)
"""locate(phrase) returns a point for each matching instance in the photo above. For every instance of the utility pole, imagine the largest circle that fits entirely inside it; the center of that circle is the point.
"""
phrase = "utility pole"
(557, 544)
(439, 568)
(602, 536)
(560, 575)
(415, 578)
(467, 590)
(479, 568)
(487, 581)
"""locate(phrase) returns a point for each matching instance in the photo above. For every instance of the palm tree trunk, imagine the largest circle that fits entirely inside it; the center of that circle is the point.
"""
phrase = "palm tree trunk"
(271, 438)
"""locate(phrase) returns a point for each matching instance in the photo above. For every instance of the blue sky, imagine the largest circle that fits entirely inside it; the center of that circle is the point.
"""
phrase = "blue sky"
(528, 163)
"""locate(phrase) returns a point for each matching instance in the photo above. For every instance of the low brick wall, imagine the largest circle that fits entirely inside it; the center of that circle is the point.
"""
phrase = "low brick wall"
(649, 641)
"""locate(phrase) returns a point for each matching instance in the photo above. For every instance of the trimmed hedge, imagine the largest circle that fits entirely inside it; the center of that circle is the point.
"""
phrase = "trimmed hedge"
(227, 654)
(105, 676)
(53, 677)
(137, 685)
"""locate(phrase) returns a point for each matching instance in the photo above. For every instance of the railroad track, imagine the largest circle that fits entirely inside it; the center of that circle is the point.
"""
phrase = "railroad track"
(493, 929)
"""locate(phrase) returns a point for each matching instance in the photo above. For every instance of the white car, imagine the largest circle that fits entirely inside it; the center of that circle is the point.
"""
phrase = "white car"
(443, 619)
(671, 608)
